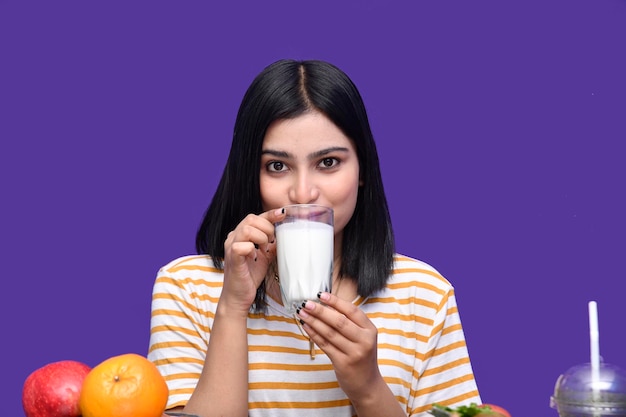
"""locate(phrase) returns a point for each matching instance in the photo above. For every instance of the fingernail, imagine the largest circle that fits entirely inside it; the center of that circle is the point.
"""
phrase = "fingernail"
(298, 310)
(282, 211)
(324, 296)
(303, 304)
(256, 246)
(303, 314)
(319, 294)
(301, 321)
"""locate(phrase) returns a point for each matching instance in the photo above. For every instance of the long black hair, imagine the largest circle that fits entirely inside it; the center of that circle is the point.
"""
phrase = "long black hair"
(285, 90)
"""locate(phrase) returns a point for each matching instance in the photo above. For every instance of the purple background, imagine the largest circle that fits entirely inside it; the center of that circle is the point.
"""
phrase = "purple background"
(500, 127)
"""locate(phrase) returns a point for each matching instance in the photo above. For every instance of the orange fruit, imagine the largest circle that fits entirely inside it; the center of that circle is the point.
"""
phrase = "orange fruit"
(123, 386)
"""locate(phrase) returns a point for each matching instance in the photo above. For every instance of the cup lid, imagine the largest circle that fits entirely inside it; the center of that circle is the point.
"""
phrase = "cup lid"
(578, 391)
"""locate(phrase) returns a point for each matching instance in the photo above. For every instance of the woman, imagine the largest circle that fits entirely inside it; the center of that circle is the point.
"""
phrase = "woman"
(387, 341)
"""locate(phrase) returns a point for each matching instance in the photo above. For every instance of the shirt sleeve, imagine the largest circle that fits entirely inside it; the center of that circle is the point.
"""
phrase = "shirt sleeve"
(447, 377)
(179, 329)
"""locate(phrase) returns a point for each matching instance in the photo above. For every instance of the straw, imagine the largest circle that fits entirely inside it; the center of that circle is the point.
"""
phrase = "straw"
(594, 337)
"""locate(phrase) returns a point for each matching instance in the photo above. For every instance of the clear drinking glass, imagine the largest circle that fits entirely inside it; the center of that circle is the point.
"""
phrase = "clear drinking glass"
(304, 250)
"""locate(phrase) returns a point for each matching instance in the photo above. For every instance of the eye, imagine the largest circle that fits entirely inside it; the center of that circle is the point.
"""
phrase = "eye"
(328, 162)
(275, 166)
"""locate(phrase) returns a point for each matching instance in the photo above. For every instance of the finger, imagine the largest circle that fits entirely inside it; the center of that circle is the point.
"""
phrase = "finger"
(252, 224)
(274, 215)
(257, 230)
(331, 347)
(244, 249)
(355, 314)
(265, 223)
(332, 326)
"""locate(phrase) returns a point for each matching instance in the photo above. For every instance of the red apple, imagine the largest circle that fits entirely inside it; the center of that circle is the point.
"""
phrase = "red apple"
(54, 389)
(497, 409)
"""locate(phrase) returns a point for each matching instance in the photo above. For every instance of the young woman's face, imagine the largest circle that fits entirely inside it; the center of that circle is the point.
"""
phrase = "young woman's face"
(308, 160)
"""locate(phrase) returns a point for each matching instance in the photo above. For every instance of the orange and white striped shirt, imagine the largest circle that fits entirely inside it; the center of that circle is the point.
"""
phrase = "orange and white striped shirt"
(422, 353)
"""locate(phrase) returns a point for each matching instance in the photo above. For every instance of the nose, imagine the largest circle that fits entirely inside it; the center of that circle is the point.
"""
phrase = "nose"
(303, 190)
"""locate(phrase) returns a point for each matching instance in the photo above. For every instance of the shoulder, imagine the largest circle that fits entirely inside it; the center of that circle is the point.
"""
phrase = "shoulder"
(190, 263)
(190, 272)
(412, 279)
(407, 269)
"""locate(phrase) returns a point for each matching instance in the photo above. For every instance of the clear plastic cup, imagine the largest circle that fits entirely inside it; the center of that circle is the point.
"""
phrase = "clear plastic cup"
(578, 393)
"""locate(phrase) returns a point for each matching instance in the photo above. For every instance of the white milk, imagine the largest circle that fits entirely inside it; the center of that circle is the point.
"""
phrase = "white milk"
(305, 260)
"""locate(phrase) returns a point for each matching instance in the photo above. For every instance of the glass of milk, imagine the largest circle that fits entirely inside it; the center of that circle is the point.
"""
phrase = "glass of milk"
(304, 251)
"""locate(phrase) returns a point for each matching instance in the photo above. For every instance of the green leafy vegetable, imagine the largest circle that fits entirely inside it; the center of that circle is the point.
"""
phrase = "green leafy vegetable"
(463, 410)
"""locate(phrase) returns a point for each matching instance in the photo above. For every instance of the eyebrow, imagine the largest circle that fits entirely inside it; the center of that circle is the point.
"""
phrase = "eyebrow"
(314, 155)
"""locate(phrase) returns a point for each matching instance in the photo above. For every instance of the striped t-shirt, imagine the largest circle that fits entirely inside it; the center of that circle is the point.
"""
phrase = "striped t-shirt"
(422, 353)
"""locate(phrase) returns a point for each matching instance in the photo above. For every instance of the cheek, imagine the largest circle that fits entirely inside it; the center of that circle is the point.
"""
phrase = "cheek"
(344, 203)
(268, 191)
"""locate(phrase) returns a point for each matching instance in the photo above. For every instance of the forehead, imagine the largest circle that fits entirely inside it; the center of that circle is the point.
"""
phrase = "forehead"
(311, 130)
